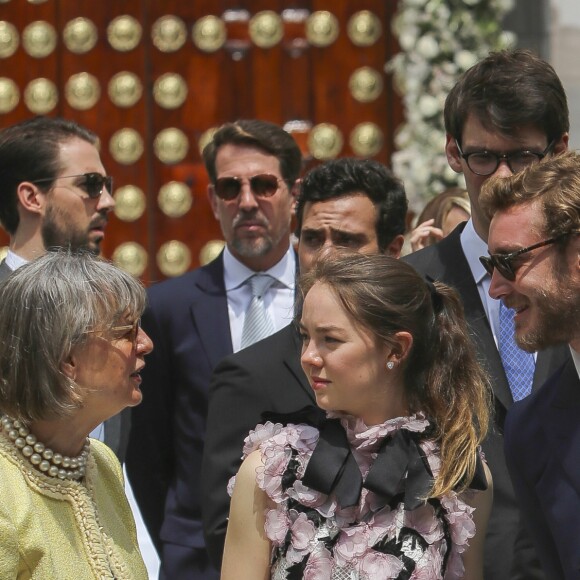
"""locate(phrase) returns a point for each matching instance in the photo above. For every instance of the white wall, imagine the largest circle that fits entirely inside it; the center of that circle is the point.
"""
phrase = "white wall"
(565, 48)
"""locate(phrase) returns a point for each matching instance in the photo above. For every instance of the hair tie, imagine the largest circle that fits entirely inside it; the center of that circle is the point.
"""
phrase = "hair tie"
(435, 296)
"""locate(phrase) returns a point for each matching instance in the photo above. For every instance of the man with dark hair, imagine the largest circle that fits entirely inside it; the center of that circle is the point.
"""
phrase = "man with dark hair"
(195, 320)
(55, 193)
(507, 112)
(534, 263)
(48, 197)
(346, 203)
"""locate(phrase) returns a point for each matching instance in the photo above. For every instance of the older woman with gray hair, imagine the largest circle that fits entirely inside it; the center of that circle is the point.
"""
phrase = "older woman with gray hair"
(71, 349)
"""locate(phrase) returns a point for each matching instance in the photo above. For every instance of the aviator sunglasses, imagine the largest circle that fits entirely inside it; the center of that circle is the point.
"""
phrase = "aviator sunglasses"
(262, 185)
(92, 183)
(504, 262)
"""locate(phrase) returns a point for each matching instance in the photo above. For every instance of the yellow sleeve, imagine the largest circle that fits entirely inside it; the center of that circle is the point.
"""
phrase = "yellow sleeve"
(9, 554)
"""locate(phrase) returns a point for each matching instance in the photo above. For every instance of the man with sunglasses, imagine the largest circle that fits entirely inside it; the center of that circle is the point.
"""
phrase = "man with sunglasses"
(507, 112)
(534, 264)
(346, 203)
(200, 317)
(55, 193)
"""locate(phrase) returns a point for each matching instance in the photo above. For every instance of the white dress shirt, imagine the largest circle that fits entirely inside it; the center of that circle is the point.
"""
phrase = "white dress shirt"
(474, 247)
(278, 301)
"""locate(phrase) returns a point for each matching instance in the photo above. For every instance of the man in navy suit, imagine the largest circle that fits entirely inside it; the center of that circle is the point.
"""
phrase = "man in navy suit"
(197, 319)
(345, 203)
(54, 193)
(506, 112)
(534, 260)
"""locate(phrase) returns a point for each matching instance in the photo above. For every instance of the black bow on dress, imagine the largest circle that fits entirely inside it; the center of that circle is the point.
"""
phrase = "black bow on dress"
(399, 468)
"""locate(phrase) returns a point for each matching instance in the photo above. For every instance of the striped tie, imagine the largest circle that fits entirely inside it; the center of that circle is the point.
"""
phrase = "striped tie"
(257, 323)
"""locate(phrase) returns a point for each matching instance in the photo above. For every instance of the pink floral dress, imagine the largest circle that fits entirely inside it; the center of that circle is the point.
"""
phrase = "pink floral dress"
(313, 537)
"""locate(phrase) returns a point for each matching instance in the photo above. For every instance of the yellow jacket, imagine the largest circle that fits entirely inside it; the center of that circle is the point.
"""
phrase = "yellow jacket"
(66, 530)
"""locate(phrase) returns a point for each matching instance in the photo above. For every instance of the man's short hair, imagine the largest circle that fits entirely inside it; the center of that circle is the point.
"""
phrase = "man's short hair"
(29, 151)
(268, 137)
(348, 176)
(554, 182)
(506, 91)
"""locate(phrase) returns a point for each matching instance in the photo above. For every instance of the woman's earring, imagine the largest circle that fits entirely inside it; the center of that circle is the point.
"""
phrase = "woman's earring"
(390, 365)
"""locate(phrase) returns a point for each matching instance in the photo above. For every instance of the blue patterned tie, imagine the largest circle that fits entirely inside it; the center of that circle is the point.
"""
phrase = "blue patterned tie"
(518, 364)
(257, 323)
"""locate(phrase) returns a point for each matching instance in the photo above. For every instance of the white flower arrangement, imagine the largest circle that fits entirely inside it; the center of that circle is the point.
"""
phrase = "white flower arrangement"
(439, 40)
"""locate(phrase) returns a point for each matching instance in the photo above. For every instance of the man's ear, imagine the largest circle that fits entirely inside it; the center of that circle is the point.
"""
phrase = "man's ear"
(395, 247)
(452, 153)
(295, 192)
(561, 144)
(30, 197)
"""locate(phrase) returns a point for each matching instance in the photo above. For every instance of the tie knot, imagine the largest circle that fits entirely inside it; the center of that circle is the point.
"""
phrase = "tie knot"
(260, 284)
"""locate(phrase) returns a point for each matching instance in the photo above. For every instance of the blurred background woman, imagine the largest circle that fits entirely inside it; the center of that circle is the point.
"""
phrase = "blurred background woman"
(71, 349)
(440, 217)
(390, 483)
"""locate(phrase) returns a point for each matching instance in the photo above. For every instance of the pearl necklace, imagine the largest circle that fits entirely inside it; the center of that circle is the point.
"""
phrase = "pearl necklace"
(42, 457)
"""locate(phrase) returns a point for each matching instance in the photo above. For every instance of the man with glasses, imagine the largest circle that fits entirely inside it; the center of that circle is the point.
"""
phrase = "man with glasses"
(507, 112)
(246, 293)
(534, 264)
(55, 193)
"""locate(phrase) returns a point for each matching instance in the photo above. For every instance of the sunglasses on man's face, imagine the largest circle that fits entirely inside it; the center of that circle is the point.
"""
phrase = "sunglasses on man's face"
(505, 262)
(262, 185)
(93, 183)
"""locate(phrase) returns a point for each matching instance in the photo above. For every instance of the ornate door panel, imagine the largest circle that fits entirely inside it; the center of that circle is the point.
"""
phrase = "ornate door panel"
(154, 78)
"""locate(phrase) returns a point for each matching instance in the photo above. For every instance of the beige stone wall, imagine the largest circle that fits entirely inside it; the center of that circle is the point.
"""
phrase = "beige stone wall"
(564, 56)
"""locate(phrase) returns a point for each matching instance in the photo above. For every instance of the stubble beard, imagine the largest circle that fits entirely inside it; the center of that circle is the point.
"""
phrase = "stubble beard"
(55, 236)
(558, 313)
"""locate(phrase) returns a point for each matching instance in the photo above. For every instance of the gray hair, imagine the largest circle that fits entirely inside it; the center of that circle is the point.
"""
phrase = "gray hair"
(47, 307)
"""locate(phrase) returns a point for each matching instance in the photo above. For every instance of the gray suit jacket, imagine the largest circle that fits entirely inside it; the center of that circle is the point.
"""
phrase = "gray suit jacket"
(117, 427)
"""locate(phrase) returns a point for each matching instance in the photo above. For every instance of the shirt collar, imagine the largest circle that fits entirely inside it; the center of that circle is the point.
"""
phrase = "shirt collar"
(473, 247)
(576, 359)
(14, 261)
(236, 273)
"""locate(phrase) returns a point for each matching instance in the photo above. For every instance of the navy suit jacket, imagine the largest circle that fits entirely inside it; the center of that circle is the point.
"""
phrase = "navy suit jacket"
(117, 427)
(187, 319)
(504, 560)
(266, 376)
(542, 444)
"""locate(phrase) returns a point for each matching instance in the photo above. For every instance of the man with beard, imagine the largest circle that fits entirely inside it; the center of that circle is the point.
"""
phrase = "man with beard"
(534, 263)
(55, 193)
(505, 113)
(197, 319)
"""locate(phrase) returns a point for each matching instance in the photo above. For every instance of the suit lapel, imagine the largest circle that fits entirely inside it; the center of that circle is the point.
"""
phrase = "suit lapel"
(450, 266)
(5, 270)
(292, 360)
(209, 311)
(562, 420)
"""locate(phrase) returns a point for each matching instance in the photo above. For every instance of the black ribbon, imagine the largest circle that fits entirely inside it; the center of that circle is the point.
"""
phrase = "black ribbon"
(400, 468)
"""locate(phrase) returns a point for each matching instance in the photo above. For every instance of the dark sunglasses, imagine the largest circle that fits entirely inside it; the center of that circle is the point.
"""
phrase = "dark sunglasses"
(262, 185)
(504, 262)
(92, 183)
(486, 162)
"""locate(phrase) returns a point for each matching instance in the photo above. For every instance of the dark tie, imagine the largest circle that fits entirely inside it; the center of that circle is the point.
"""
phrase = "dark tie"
(518, 364)
(257, 323)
